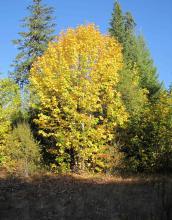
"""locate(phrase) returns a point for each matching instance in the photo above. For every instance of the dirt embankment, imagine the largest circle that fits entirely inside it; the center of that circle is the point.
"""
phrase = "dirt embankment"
(78, 198)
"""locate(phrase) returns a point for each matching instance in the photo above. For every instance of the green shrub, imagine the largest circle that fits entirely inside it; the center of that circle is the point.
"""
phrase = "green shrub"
(22, 151)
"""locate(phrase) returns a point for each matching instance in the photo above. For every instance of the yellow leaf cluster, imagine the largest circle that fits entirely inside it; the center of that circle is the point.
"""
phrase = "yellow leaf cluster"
(76, 82)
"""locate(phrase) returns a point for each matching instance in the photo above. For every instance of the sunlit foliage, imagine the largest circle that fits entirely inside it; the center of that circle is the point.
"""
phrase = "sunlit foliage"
(80, 107)
(9, 108)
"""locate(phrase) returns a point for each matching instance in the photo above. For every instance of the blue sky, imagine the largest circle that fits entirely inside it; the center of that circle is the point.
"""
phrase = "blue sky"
(153, 18)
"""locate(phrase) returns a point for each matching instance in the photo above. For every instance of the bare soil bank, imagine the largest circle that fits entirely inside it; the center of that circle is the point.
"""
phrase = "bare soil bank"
(83, 198)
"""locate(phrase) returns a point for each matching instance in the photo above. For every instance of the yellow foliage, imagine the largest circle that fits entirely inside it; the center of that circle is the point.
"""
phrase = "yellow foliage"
(9, 105)
(76, 82)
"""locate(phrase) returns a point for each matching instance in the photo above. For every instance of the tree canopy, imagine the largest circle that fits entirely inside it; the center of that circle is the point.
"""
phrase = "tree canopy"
(38, 29)
(76, 81)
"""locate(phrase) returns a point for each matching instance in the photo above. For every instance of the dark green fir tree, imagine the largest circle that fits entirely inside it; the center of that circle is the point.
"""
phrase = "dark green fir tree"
(135, 51)
(117, 28)
(38, 31)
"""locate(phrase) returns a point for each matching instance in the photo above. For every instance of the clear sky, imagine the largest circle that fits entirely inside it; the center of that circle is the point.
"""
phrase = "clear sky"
(153, 18)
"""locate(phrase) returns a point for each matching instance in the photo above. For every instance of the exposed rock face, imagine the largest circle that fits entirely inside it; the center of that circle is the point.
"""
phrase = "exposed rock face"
(64, 197)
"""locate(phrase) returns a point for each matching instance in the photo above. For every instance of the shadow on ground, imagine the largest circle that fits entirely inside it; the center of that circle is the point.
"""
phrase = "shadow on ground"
(67, 197)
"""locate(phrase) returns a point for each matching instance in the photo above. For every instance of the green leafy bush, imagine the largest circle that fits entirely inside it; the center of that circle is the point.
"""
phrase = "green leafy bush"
(22, 151)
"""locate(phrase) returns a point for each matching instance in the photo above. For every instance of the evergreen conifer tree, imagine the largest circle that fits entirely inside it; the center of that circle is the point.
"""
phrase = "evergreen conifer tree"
(117, 23)
(135, 51)
(38, 31)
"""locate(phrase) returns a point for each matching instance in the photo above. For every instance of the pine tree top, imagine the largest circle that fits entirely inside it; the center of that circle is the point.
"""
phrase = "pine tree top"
(38, 32)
